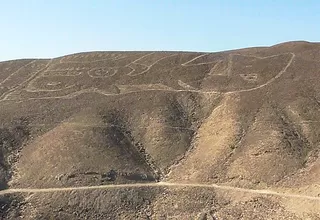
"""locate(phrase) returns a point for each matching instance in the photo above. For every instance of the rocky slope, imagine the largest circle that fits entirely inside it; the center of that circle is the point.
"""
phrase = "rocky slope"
(246, 119)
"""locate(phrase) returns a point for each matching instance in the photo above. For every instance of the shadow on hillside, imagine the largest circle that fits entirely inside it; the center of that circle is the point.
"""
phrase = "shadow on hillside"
(11, 141)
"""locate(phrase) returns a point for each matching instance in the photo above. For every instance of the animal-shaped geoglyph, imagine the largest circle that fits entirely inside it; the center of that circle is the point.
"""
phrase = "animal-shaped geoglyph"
(216, 73)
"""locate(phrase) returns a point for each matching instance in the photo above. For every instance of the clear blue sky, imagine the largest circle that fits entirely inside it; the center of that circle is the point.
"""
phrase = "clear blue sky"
(31, 28)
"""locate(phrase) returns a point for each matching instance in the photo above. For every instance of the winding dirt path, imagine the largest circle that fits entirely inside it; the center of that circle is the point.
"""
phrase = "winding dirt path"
(159, 184)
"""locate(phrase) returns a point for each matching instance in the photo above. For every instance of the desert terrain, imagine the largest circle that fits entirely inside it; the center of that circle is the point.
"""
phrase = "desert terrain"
(162, 135)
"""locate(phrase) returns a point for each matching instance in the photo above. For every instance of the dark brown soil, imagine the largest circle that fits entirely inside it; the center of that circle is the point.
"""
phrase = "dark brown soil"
(246, 118)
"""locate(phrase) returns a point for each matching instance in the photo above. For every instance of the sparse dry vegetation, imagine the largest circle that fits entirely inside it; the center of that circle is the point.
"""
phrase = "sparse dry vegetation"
(245, 119)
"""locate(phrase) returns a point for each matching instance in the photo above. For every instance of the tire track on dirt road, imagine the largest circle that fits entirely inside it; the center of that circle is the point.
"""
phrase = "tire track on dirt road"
(161, 184)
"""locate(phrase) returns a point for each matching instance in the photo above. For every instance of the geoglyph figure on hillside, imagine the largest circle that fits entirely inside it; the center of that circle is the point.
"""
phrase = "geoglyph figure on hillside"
(109, 73)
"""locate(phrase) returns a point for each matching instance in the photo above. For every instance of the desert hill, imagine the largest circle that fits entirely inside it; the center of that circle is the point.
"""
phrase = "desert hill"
(227, 135)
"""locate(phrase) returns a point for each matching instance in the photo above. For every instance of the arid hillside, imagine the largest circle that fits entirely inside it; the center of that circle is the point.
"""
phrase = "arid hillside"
(162, 135)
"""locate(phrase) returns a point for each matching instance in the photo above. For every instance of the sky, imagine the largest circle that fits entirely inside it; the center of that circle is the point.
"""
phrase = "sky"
(47, 29)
